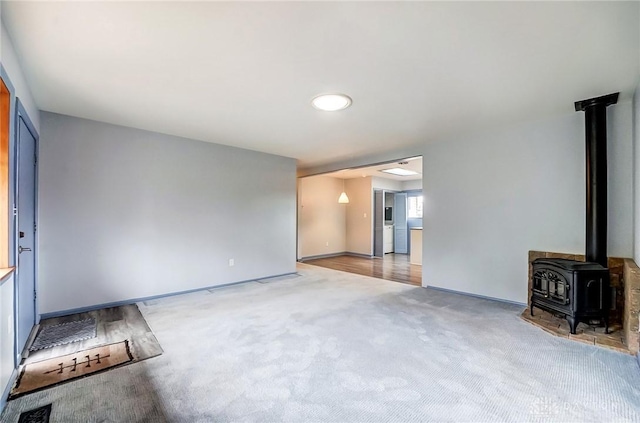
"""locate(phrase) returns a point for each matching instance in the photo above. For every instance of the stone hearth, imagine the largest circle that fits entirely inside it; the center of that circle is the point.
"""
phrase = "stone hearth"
(623, 326)
(592, 335)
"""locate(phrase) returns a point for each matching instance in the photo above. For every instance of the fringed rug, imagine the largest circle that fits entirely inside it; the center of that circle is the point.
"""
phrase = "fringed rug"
(64, 333)
(47, 373)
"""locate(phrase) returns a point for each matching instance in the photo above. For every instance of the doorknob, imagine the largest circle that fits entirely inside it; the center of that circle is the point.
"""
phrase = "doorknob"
(21, 249)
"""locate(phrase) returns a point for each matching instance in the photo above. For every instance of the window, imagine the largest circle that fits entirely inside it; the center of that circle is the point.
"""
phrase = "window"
(414, 206)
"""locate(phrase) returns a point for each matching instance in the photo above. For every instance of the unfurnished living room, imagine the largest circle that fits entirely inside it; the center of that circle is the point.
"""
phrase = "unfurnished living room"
(179, 179)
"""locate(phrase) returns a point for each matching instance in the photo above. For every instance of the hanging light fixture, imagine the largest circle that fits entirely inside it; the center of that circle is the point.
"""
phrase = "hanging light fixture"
(343, 199)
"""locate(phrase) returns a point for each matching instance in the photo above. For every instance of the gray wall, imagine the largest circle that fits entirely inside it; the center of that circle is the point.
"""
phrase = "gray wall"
(415, 184)
(489, 198)
(10, 62)
(126, 213)
(7, 341)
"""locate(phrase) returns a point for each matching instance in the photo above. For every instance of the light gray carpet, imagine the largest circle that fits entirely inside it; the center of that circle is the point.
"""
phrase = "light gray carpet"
(329, 346)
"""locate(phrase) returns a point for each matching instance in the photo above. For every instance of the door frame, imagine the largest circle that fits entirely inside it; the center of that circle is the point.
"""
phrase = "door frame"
(378, 216)
(21, 113)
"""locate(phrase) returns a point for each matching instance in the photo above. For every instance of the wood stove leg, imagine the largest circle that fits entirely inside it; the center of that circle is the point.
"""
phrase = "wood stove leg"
(606, 325)
(572, 324)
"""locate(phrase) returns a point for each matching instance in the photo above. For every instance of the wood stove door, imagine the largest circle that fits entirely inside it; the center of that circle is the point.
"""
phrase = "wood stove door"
(551, 286)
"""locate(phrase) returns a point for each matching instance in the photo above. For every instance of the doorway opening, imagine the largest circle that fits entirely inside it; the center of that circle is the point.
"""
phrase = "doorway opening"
(376, 232)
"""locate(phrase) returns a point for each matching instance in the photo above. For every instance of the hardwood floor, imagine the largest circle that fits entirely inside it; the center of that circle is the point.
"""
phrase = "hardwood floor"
(392, 267)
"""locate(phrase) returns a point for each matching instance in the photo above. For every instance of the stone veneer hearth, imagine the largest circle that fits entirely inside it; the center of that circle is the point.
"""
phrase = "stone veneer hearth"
(631, 320)
(623, 327)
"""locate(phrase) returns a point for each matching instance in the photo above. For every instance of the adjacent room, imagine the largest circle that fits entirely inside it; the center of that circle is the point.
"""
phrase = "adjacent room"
(319, 211)
(366, 220)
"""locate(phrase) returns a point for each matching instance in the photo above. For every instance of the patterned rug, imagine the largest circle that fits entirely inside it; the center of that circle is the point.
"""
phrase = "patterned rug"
(64, 333)
(46, 373)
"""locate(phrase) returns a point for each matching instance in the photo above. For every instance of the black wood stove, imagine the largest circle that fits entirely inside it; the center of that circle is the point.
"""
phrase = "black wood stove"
(581, 290)
(578, 290)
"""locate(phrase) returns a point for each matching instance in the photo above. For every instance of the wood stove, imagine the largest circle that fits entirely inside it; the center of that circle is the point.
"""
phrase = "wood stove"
(581, 290)
(578, 290)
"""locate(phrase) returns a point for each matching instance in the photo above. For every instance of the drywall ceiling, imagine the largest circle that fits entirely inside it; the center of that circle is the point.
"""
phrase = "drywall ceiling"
(243, 73)
(412, 163)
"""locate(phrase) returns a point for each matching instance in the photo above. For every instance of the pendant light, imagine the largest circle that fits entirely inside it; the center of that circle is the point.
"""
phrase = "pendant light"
(343, 197)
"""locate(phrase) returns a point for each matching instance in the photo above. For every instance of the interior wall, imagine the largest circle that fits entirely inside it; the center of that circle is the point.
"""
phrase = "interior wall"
(636, 174)
(126, 213)
(620, 179)
(360, 216)
(414, 184)
(6, 332)
(387, 184)
(493, 197)
(321, 219)
(10, 62)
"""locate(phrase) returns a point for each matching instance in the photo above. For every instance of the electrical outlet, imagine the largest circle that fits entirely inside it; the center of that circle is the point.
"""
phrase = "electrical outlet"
(327, 244)
(365, 216)
(232, 262)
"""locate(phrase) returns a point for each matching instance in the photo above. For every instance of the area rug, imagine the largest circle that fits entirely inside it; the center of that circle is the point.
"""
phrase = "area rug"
(64, 333)
(46, 373)
(38, 415)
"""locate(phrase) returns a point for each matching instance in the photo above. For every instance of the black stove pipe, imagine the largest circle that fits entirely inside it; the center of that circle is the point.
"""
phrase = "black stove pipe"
(595, 110)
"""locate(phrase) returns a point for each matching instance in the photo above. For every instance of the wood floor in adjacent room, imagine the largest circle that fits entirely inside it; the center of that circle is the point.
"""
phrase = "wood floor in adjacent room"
(392, 267)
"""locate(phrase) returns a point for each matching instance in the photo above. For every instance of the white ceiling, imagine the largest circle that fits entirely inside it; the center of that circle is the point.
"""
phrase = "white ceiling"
(411, 163)
(243, 74)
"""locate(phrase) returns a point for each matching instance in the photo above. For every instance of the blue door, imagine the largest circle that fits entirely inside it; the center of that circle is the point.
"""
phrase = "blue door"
(400, 235)
(26, 211)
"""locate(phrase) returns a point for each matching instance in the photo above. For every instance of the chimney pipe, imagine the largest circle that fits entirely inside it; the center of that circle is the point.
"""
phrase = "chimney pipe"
(595, 110)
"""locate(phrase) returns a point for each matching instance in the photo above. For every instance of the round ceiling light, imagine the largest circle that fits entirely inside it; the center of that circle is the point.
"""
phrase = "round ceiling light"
(331, 102)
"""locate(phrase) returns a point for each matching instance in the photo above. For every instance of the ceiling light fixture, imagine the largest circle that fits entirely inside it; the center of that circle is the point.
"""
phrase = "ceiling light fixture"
(343, 199)
(398, 171)
(331, 102)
